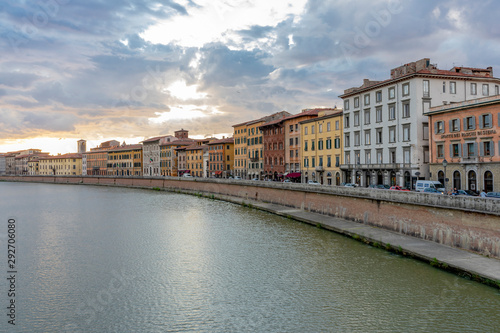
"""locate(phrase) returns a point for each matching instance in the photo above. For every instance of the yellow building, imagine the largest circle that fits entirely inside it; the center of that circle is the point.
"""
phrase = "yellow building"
(168, 156)
(61, 165)
(125, 161)
(240, 150)
(194, 160)
(33, 166)
(255, 149)
(321, 148)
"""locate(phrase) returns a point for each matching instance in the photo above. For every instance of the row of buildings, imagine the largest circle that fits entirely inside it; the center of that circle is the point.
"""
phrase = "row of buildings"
(421, 123)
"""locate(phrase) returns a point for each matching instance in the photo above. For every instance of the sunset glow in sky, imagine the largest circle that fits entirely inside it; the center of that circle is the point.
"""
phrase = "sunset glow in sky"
(129, 70)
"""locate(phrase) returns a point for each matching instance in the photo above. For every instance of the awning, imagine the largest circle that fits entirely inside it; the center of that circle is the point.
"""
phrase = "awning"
(293, 175)
(218, 172)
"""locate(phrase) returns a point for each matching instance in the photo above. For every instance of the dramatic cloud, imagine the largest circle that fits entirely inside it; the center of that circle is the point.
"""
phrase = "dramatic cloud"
(132, 69)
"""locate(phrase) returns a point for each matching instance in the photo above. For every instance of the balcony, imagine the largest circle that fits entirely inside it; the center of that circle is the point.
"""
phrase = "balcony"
(470, 160)
(320, 168)
(254, 159)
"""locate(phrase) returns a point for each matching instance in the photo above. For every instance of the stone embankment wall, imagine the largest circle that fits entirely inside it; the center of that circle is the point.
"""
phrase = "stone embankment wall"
(470, 223)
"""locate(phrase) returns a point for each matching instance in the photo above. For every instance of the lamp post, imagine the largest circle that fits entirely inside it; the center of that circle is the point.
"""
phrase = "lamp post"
(445, 164)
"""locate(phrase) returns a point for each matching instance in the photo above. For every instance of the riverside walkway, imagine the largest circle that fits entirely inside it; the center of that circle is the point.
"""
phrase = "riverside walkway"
(461, 262)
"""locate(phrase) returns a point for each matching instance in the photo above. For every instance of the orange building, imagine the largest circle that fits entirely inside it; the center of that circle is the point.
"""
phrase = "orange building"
(465, 144)
(125, 161)
(221, 158)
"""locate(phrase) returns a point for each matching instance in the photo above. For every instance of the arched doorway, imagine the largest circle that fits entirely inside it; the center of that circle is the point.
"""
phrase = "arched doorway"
(337, 179)
(380, 178)
(472, 181)
(329, 178)
(488, 181)
(457, 182)
(358, 178)
(393, 178)
(441, 177)
(407, 180)
(368, 179)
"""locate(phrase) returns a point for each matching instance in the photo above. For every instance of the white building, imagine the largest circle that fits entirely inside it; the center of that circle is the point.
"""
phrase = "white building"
(386, 135)
(151, 154)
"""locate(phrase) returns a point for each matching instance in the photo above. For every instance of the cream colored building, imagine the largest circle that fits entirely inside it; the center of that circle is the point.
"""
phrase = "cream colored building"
(61, 165)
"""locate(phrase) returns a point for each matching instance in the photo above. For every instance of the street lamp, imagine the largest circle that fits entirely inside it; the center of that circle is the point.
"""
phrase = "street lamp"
(445, 164)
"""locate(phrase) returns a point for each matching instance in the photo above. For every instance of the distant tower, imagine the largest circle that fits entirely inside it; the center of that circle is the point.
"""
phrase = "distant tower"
(82, 146)
(181, 134)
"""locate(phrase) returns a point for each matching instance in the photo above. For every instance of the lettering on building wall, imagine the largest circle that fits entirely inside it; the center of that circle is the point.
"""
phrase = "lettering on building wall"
(468, 134)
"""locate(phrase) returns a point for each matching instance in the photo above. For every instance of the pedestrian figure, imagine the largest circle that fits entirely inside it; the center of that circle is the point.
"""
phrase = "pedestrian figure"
(483, 193)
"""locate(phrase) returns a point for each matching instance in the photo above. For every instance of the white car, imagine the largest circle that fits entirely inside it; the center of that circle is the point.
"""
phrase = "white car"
(237, 178)
(313, 182)
(187, 175)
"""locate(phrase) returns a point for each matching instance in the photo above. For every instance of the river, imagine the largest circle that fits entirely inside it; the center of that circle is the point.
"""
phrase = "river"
(107, 259)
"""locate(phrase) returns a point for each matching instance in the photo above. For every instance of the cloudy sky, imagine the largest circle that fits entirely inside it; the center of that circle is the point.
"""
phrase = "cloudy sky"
(130, 69)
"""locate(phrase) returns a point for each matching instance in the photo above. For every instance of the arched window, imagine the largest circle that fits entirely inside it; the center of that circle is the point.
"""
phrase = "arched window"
(441, 177)
(457, 182)
(337, 179)
(488, 181)
(393, 178)
(472, 181)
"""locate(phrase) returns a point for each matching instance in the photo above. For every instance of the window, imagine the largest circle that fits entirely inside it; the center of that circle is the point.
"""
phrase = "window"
(305, 130)
(426, 88)
(356, 118)
(470, 123)
(346, 104)
(337, 143)
(486, 90)
(455, 150)
(312, 129)
(347, 141)
(312, 145)
(306, 162)
(440, 151)
(378, 96)
(380, 159)
(392, 134)
(356, 102)
(305, 145)
(485, 120)
(320, 128)
(367, 117)
(291, 128)
(406, 132)
(367, 99)
(291, 142)
(454, 125)
(406, 89)
(497, 90)
(444, 87)
(439, 127)
(320, 144)
(407, 155)
(473, 89)
(392, 111)
(356, 139)
(392, 93)
(392, 155)
(328, 143)
(470, 148)
(486, 148)
(328, 127)
(313, 162)
(378, 115)
(406, 110)
(346, 121)
(453, 87)
(328, 161)
(347, 158)
(368, 140)
(337, 125)
(368, 157)
(379, 136)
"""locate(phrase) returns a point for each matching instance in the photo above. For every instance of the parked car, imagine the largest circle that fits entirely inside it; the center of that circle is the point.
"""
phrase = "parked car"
(466, 193)
(399, 188)
(237, 178)
(432, 190)
(421, 185)
(313, 182)
(493, 195)
(287, 181)
(383, 187)
(187, 175)
(350, 185)
(255, 179)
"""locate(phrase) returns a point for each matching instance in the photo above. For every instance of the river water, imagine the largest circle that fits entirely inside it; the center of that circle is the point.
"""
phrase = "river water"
(104, 259)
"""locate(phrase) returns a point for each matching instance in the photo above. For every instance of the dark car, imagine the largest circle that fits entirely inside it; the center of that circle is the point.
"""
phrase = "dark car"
(466, 193)
(383, 187)
(493, 195)
(432, 190)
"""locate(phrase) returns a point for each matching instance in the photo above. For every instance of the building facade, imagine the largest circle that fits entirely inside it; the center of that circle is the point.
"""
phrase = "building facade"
(386, 134)
(61, 165)
(240, 150)
(221, 158)
(274, 146)
(151, 153)
(125, 161)
(194, 160)
(465, 144)
(169, 158)
(3, 170)
(321, 143)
